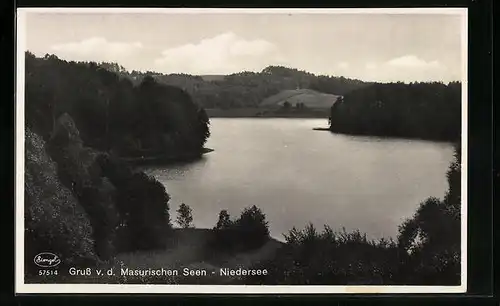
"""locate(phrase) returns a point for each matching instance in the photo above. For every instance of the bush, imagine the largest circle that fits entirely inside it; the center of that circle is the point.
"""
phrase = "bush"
(252, 227)
(184, 216)
(249, 231)
(331, 258)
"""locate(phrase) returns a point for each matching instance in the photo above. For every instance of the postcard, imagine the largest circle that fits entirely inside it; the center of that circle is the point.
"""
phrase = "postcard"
(253, 151)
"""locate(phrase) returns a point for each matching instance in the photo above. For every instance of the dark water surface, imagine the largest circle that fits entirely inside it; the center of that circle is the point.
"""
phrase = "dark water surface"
(297, 175)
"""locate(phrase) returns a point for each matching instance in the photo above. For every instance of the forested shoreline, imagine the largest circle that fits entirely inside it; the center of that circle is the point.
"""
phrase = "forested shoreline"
(417, 110)
(111, 113)
(424, 110)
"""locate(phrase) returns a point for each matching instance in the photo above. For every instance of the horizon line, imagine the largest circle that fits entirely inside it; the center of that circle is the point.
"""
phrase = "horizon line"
(315, 74)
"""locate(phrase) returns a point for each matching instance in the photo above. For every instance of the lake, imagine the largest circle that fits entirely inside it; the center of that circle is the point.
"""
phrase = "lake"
(297, 175)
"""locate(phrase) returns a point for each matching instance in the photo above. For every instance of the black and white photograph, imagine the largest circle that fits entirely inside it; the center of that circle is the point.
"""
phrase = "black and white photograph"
(241, 150)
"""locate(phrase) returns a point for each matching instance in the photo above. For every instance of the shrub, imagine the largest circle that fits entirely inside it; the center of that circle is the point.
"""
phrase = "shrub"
(327, 257)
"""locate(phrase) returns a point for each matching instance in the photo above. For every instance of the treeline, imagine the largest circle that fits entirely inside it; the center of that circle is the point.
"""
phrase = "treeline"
(427, 250)
(245, 89)
(416, 110)
(111, 113)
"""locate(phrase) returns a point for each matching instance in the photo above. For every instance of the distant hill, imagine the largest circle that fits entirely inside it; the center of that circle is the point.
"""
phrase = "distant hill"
(248, 89)
(310, 98)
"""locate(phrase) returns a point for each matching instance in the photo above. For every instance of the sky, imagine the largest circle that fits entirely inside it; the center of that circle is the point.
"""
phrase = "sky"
(370, 47)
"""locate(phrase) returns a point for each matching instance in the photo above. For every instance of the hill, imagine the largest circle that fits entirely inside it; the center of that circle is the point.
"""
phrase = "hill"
(245, 89)
(310, 98)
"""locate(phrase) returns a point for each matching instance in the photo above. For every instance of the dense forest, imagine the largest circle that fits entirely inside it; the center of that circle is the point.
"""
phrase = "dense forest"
(415, 110)
(111, 113)
(245, 89)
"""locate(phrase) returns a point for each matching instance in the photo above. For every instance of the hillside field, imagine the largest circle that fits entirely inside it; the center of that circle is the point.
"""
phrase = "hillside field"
(310, 98)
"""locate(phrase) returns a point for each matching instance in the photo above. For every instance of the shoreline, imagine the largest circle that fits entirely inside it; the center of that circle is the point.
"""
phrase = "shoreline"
(166, 158)
(387, 137)
(266, 113)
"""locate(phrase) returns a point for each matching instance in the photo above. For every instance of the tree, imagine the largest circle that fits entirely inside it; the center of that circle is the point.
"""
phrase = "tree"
(252, 227)
(431, 238)
(224, 221)
(287, 105)
(184, 216)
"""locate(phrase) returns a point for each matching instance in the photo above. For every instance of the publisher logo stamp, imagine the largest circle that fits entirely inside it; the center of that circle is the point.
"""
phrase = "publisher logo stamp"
(47, 260)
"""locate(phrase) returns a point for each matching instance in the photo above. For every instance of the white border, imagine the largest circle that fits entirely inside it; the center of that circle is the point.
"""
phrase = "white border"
(108, 10)
(22, 288)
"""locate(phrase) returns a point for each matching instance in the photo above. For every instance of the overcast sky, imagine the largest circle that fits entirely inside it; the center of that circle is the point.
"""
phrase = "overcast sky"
(371, 47)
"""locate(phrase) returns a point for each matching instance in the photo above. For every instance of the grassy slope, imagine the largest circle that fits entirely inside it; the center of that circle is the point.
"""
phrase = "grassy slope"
(190, 249)
(310, 98)
(317, 106)
(187, 248)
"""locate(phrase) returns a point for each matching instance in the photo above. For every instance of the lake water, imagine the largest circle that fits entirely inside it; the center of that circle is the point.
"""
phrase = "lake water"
(297, 175)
